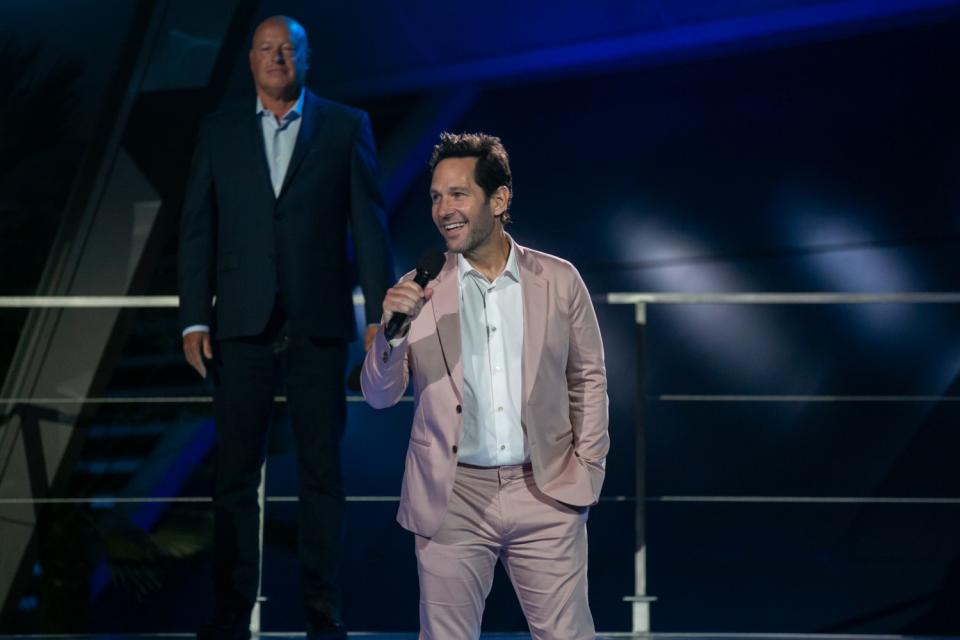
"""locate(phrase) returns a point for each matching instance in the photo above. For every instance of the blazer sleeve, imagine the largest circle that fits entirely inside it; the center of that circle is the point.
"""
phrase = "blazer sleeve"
(386, 372)
(368, 222)
(587, 383)
(197, 251)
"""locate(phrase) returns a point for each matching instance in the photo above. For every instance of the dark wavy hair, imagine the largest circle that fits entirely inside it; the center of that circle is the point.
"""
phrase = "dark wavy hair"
(493, 164)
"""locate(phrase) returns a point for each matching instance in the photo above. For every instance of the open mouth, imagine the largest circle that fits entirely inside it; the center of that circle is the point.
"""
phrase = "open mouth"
(453, 226)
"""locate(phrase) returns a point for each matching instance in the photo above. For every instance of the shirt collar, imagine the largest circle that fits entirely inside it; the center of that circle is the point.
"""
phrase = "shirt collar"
(295, 111)
(464, 268)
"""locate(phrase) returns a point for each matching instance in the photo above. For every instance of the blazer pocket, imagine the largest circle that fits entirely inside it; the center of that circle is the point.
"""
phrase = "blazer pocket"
(420, 441)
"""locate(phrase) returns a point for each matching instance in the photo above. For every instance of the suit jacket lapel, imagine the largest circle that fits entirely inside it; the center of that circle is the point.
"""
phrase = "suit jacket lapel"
(311, 118)
(259, 155)
(445, 305)
(535, 293)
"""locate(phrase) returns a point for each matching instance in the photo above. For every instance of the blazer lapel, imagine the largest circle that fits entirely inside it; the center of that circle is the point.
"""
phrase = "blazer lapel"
(445, 305)
(311, 118)
(259, 153)
(535, 294)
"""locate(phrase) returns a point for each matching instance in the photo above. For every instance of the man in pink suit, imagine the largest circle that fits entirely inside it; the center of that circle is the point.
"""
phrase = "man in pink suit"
(509, 440)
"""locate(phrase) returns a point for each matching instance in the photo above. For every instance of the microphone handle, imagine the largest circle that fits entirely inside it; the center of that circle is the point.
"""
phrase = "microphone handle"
(394, 326)
(397, 319)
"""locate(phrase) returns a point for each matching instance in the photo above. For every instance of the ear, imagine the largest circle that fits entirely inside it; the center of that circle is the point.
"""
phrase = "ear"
(301, 54)
(500, 199)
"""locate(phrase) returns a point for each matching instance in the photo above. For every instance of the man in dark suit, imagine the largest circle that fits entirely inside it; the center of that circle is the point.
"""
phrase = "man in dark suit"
(270, 199)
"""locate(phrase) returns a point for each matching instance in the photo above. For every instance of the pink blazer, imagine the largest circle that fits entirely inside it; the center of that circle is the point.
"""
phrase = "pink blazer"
(564, 402)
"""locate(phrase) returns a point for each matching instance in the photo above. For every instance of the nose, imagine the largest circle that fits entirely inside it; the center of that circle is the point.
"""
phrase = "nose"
(278, 58)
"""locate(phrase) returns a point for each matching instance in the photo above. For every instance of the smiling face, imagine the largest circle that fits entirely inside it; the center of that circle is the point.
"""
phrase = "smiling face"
(278, 58)
(463, 213)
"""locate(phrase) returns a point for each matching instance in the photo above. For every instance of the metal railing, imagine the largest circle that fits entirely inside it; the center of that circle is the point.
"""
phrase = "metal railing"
(640, 600)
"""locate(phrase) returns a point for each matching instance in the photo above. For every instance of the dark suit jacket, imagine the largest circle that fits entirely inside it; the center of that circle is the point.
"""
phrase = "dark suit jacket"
(242, 244)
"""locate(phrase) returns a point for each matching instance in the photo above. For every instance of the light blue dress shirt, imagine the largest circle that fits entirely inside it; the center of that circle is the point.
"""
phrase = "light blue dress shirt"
(279, 138)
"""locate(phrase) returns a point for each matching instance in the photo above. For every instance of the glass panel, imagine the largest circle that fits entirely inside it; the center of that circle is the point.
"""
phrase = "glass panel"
(379, 572)
(803, 568)
(803, 349)
(99, 570)
(803, 449)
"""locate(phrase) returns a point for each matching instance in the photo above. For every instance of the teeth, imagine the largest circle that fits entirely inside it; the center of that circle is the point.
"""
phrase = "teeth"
(455, 225)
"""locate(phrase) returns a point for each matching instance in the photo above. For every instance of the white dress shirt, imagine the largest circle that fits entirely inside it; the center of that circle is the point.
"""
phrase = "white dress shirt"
(491, 330)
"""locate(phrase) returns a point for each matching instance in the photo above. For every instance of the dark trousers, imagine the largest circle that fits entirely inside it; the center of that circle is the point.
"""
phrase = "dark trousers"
(245, 375)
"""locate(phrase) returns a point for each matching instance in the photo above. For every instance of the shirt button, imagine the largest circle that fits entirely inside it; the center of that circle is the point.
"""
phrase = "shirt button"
(499, 408)
(459, 409)
(454, 448)
(494, 329)
(497, 368)
(502, 447)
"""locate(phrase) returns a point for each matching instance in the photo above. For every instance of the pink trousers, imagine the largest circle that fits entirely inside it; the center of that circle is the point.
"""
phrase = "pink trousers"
(499, 513)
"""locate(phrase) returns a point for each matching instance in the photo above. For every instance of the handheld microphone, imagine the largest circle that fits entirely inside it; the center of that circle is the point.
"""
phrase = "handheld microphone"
(428, 267)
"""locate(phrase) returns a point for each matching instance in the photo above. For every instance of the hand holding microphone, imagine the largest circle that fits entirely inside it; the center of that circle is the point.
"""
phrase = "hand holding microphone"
(404, 301)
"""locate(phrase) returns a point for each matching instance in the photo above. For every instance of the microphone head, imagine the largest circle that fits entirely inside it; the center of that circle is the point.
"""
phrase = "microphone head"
(430, 264)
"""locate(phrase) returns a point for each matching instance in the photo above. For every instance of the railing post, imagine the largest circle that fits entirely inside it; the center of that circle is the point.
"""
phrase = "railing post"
(262, 502)
(640, 600)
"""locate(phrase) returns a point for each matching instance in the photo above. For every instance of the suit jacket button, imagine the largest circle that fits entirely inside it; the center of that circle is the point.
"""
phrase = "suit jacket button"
(459, 409)
(454, 448)
(386, 356)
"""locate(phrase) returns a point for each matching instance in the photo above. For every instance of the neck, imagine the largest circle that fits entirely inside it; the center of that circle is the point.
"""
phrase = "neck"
(278, 105)
(491, 257)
